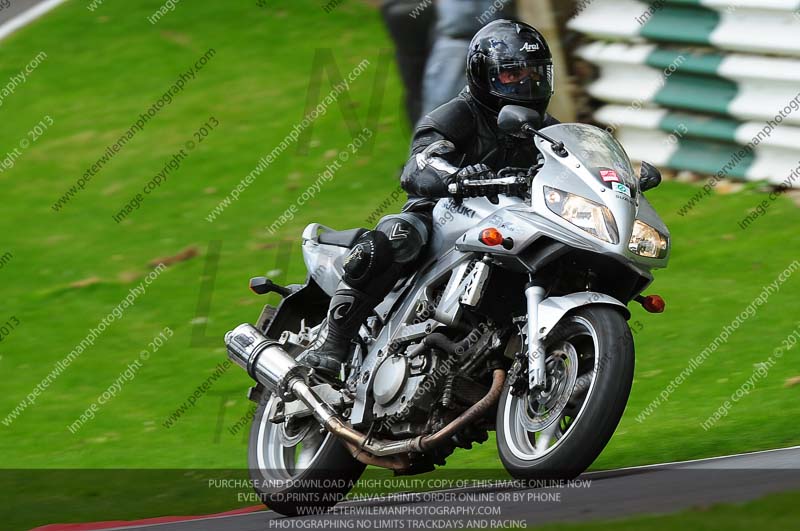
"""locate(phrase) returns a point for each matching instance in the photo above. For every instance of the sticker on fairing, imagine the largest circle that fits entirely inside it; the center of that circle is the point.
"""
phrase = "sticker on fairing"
(609, 176)
(621, 188)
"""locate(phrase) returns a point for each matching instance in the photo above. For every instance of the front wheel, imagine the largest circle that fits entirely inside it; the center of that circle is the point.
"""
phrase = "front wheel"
(559, 432)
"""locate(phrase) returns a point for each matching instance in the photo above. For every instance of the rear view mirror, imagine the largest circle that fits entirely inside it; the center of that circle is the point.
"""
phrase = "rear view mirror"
(649, 177)
(516, 120)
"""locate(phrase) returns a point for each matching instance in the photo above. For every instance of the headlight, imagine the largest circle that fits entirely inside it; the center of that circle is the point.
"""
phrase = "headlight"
(587, 215)
(647, 241)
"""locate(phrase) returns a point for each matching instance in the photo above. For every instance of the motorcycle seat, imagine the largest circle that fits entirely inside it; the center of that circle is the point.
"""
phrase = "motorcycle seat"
(340, 238)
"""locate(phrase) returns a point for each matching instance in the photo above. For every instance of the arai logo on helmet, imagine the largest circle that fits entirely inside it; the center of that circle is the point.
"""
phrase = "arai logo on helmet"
(529, 47)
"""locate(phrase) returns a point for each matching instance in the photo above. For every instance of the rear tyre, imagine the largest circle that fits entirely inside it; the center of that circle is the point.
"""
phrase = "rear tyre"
(561, 432)
(298, 469)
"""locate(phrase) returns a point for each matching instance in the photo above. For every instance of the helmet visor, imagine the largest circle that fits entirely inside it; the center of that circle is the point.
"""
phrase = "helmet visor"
(523, 81)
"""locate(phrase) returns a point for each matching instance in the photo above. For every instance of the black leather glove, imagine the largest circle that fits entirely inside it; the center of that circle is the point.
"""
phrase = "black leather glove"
(474, 171)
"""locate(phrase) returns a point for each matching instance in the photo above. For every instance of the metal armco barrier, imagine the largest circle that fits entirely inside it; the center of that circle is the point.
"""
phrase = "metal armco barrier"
(709, 86)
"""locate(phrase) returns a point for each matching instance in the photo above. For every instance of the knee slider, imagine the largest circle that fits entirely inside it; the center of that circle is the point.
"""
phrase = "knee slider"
(404, 237)
(367, 259)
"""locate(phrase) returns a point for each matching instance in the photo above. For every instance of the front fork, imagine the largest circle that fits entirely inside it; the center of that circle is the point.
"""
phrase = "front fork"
(534, 295)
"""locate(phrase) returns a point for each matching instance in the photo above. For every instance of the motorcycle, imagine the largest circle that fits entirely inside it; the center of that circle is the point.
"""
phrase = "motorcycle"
(516, 321)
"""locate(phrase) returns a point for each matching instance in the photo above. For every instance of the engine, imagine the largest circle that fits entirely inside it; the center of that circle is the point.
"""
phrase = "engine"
(406, 387)
(421, 388)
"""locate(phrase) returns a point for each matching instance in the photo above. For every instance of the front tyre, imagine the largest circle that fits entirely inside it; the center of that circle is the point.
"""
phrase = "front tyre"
(297, 468)
(559, 432)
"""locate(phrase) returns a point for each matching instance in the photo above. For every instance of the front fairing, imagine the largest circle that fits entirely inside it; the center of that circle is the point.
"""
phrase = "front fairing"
(596, 168)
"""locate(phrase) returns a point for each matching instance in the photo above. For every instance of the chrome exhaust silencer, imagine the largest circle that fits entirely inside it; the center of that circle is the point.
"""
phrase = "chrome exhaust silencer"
(267, 363)
(264, 360)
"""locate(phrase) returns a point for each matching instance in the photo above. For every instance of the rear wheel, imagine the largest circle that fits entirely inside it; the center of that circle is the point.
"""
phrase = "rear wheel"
(559, 432)
(297, 467)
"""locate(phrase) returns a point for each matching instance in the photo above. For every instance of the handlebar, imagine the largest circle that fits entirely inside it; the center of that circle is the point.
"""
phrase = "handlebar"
(491, 185)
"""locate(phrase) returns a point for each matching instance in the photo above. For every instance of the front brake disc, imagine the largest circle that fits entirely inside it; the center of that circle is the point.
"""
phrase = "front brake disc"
(546, 406)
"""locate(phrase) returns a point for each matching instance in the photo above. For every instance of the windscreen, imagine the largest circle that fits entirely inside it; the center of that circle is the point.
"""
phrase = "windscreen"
(598, 151)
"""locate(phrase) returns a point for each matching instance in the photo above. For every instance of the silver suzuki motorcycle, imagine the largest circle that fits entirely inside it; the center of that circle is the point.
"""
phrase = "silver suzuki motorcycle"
(516, 321)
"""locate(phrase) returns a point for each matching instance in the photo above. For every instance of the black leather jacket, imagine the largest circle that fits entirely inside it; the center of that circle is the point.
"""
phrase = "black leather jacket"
(467, 134)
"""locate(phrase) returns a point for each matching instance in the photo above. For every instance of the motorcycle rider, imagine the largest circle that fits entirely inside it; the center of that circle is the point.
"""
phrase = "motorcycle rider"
(508, 62)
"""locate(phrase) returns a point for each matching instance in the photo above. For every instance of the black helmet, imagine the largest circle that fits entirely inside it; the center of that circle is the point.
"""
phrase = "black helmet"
(510, 63)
